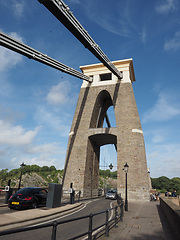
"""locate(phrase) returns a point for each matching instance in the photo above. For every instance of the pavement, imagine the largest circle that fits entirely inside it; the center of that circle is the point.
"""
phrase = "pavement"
(19, 218)
(143, 220)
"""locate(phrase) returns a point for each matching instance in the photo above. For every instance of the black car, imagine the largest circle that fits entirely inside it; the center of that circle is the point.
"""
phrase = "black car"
(30, 197)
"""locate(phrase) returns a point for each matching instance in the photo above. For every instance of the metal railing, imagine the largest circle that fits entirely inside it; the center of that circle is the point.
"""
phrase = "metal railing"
(109, 223)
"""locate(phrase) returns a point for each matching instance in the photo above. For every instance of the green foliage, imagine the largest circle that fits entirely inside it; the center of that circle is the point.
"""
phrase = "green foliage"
(101, 182)
(108, 173)
(3, 174)
(52, 168)
(14, 172)
(114, 175)
(166, 184)
(52, 175)
(44, 169)
(49, 174)
(13, 184)
(56, 180)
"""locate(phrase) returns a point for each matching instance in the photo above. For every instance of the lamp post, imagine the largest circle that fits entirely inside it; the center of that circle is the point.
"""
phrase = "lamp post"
(22, 166)
(126, 167)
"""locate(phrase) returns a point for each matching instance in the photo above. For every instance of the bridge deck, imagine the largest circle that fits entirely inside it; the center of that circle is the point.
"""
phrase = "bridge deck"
(144, 220)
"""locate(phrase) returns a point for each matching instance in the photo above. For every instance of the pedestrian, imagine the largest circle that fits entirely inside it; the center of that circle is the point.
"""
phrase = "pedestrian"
(174, 194)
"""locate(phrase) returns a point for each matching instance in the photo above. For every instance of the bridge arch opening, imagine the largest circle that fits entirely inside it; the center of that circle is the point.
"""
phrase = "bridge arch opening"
(102, 106)
(111, 118)
(107, 176)
(93, 162)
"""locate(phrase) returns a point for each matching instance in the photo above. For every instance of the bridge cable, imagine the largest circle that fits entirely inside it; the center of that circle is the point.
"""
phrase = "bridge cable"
(12, 44)
(62, 12)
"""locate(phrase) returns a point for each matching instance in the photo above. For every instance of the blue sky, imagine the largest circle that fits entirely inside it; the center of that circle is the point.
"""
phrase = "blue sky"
(37, 103)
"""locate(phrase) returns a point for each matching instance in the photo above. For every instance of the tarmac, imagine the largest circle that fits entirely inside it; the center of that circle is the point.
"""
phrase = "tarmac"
(142, 221)
(19, 218)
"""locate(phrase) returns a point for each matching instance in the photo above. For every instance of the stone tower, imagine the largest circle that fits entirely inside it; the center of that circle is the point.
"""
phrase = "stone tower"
(87, 134)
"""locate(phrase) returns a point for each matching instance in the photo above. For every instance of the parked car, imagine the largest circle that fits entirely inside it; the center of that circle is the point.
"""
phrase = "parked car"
(111, 194)
(30, 197)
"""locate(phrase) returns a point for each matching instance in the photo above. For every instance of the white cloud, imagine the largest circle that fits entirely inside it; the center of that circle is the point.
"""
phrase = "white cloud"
(165, 109)
(16, 36)
(166, 6)
(42, 160)
(18, 8)
(144, 35)
(15, 135)
(174, 43)
(159, 136)
(8, 58)
(50, 148)
(164, 160)
(43, 154)
(59, 94)
(6, 88)
(115, 18)
(55, 122)
(15, 7)
(9, 114)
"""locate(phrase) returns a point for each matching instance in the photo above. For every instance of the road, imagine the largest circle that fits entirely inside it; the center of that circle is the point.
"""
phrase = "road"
(68, 230)
(4, 210)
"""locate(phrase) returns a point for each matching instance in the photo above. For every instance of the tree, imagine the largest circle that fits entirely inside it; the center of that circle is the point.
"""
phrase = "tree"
(164, 183)
(114, 175)
(4, 174)
(35, 168)
(13, 172)
(45, 169)
(52, 168)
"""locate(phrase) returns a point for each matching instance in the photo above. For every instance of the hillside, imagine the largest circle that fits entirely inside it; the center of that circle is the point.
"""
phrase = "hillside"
(33, 175)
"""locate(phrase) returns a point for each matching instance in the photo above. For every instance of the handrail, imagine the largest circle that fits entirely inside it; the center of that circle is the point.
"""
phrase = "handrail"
(54, 224)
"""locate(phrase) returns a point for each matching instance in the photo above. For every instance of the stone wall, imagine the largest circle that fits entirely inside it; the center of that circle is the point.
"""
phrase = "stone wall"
(172, 212)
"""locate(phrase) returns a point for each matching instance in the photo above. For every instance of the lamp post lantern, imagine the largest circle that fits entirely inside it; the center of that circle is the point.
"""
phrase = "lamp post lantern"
(111, 166)
(22, 166)
(126, 167)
